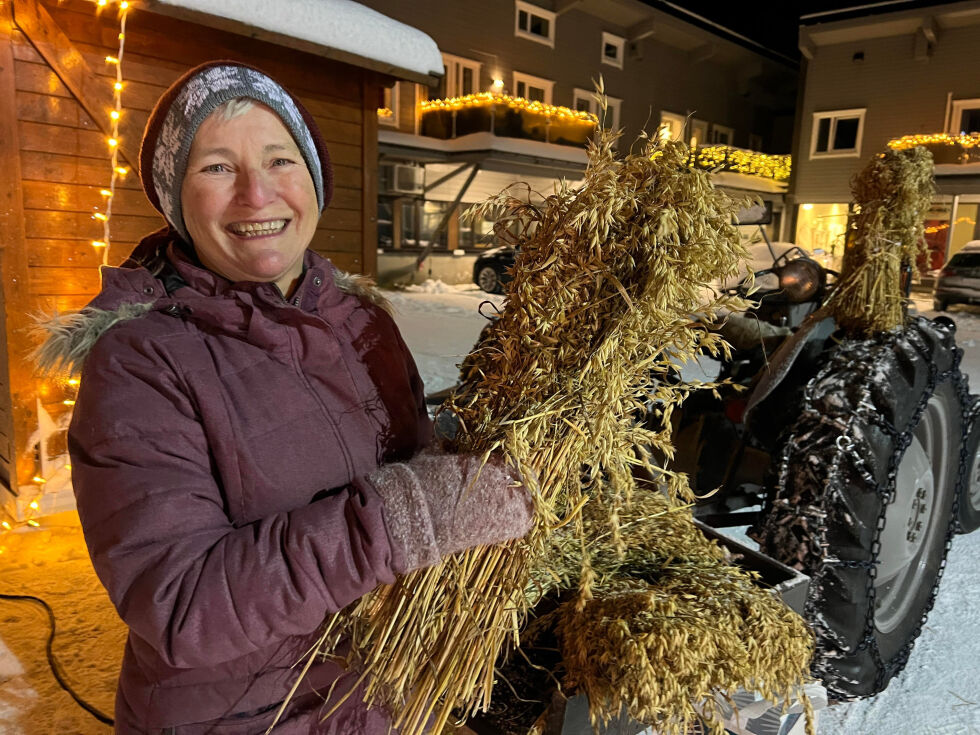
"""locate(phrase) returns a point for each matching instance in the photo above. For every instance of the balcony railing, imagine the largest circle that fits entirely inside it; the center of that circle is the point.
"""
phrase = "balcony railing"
(741, 161)
(945, 148)
(506, 116)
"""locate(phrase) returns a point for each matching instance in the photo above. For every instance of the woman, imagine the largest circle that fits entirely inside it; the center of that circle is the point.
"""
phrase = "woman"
(246, 440)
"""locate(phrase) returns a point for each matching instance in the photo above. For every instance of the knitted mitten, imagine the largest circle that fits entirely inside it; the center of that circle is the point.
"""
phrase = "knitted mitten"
(437, 504)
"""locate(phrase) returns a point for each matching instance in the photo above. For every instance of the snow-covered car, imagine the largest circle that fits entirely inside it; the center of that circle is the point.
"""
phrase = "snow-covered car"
(959, 281)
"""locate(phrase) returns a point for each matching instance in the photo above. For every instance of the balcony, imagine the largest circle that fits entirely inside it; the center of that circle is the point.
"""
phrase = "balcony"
(505, 116)
(945, 148)
(725, 158)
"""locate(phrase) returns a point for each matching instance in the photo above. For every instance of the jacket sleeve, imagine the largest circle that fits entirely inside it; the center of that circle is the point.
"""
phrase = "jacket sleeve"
(184, 579)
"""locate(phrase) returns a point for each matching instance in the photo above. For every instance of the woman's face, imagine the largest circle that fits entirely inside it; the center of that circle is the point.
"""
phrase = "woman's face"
(248, 198)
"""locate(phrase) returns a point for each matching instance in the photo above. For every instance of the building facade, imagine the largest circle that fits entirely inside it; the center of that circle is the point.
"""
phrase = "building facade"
(526, 73)
(892, 78)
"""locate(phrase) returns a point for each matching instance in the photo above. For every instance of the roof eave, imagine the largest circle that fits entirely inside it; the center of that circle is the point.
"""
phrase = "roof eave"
(280, 39)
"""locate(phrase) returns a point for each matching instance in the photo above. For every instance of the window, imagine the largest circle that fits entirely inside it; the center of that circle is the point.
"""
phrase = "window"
(697, 132)
(612, 50)
(722, 135)
(388, 112)
(965, 117)
(671, 125)
(585, 102)
(462, 76)
(534, 23)
(531, 88)
(837, 134)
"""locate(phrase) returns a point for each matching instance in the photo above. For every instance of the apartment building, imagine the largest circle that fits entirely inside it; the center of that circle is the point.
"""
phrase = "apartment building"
(874, 77)
(516, 104)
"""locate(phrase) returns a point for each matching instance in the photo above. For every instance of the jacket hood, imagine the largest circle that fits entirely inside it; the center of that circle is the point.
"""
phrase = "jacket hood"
(161, 274)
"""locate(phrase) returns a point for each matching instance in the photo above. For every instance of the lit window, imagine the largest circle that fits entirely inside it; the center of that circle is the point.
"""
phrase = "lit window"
(462, 76)
(534, 23)
(612, 50)
(672, 125)
(837, 134)
(388, 112)
(585, 102)
(531, 88)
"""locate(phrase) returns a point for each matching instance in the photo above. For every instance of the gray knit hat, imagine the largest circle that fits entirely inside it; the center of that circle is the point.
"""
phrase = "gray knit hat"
(181, 110)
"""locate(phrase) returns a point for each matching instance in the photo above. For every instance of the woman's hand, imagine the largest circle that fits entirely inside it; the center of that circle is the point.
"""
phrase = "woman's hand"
(437, 504)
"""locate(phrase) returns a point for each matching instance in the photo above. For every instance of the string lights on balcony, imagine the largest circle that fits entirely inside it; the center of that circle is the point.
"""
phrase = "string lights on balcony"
(487, 99)
(739, 160)
(964, 140)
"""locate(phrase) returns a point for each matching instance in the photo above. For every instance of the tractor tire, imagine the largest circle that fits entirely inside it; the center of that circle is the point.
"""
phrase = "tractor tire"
(968, 501)
(864, 497)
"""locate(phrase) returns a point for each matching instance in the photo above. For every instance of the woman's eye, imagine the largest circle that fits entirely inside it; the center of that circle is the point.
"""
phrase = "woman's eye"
(215, 168)
(282, 162)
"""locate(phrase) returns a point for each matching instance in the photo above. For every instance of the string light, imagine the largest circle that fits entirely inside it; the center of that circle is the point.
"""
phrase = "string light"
(739, 160)
(489, 99)
(964, 140)
(385, 113)
(112, 140)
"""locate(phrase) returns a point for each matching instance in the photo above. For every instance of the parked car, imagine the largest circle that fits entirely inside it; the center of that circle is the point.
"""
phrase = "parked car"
(492, 269)
(959, 281)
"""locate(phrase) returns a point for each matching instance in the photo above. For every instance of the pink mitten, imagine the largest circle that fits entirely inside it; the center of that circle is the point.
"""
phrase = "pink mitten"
(437, 504)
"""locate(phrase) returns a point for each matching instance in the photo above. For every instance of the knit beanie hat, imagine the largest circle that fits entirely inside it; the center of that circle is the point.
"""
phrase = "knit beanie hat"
(187, 103)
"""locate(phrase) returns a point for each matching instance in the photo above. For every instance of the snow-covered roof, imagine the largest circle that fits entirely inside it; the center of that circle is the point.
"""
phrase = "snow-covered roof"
(341, 29)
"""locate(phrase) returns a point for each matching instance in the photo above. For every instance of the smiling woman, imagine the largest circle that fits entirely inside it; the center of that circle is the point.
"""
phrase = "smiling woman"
(249, 203)
(247, 438)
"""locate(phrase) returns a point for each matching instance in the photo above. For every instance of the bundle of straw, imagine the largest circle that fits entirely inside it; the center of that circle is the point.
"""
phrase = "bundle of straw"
(671, 624)
(891, 197)
(609, 290)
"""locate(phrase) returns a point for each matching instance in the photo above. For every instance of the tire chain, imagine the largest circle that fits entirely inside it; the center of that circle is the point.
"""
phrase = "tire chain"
(969, 412)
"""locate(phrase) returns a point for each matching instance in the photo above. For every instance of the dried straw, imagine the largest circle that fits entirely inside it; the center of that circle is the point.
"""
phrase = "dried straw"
(671, 623)
(609, 289)
(891, 196)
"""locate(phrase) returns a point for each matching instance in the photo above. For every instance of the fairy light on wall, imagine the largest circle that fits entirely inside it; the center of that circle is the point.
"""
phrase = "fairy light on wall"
(118, 170)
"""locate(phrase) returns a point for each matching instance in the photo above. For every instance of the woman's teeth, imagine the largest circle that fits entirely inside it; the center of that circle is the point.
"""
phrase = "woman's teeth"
(254, 229)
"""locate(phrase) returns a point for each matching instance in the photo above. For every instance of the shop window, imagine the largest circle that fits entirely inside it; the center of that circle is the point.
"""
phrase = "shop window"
(820, 229)
(837, 134)
(613, 50)
(531, 88)
(534, 23)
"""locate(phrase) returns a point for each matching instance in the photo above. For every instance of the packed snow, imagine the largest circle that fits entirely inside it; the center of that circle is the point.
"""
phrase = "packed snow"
(937, 694)
(338, 24)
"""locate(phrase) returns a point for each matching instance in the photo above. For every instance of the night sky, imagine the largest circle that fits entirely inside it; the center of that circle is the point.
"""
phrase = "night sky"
(774, 24)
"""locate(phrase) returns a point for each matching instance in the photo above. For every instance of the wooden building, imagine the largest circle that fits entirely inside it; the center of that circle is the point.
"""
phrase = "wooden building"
(56, 93)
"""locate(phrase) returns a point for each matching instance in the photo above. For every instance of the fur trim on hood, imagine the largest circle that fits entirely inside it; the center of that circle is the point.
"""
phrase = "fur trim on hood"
(68, 338)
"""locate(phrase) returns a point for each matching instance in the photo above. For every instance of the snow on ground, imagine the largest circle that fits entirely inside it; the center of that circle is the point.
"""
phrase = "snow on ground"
(937, 694)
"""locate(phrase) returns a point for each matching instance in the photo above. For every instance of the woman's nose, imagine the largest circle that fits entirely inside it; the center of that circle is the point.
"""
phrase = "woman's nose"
(254, 188)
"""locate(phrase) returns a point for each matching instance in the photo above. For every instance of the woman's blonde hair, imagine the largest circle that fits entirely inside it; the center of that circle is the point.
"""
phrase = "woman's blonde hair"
(235, 107)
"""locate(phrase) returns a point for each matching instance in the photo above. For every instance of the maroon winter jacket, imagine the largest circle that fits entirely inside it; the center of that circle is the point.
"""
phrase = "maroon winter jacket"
(216, 436)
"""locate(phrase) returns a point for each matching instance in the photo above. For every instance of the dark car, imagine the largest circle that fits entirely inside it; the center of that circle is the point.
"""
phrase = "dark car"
(492, 269)
(959, 280)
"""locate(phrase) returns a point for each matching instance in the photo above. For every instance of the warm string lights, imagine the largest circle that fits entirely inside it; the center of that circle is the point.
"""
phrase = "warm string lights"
(933, 229)
(489, 99)
(739, 160)
(115, 114)
(964, 140)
